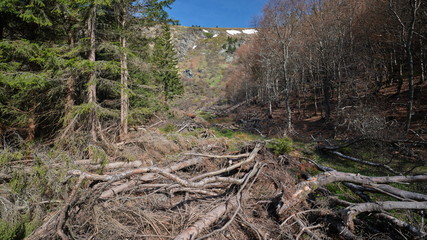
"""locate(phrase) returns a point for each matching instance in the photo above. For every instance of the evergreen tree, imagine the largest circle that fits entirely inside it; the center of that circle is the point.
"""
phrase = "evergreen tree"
(165, 62)
(68, 65)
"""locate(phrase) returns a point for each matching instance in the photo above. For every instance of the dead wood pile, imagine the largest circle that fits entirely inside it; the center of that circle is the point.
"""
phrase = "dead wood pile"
(251, 195)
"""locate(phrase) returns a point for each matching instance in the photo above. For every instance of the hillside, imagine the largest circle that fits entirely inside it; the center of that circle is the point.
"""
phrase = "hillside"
(205, 55)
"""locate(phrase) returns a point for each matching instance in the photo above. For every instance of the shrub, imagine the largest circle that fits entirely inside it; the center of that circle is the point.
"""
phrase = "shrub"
(280, 146)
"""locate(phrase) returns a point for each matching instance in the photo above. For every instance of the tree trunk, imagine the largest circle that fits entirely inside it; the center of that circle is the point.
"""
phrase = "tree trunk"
(31, 124)
(1, 27)
(400, 79)
(124, 78)
(415, 5)
(287, 88)
(327, 95)
(351, 212)
(423, 74)
(92, 77)
(69, 102)
(70, 87)
(304, 188)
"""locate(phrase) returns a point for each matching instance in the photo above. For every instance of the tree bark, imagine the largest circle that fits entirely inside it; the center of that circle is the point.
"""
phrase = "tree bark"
(415, 5)
(2, 24)
(210, 218)
(148, 177)
(31, 124)
(70, 86)
(351, 212)
(388, 168)
(124, 79)
(304, 188)
(287, 87)
(423, 71)
(92, 76)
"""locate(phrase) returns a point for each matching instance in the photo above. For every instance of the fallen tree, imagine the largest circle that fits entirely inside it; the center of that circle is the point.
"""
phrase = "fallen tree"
(200, 184)
(306, 187)
(246, 196)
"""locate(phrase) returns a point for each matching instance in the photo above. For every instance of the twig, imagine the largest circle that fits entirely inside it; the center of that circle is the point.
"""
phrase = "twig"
(181, 129)
(366, 162)
(239, 196)
(219, 156)
(63, 214)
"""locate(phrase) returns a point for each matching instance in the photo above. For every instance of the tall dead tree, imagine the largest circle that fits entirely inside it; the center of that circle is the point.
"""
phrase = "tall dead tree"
(281, 19)
(124, 72)
(91, 85)
(407, 38)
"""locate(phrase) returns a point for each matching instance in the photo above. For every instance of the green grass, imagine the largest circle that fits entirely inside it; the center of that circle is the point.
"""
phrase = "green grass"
(168, 128)
(205, 115)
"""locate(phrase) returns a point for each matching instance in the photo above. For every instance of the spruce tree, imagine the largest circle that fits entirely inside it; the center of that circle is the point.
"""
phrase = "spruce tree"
(165, 63)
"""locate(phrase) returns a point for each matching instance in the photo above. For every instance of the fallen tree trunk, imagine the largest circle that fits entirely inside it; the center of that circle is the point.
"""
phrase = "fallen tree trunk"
(208, 219)
(414, 231)
(214, 215)
(151, 176)
(57, 224)
(219, 156)
(148, 177)
(377, 188)
(373, 164)
(304, 188)
(351, 212)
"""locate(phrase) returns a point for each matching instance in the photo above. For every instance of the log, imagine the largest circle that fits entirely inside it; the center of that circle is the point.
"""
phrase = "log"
(148, 177)
(214, 215)
(395, 192)
(351, 212)
(377, 188)
(219, 156)
(210, 218)
(414, 231)
(364, 162)
(306, 187)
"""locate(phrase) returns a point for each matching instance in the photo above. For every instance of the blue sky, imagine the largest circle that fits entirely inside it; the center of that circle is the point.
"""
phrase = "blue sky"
(212, 13)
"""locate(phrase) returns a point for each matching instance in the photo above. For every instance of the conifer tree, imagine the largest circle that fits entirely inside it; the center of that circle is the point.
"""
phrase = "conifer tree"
(165, 61)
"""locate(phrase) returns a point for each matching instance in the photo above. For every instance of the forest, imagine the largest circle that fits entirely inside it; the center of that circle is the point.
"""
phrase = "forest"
(117, 123)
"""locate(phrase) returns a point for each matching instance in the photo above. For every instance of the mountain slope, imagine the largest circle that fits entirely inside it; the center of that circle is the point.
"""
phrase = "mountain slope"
(205, 55)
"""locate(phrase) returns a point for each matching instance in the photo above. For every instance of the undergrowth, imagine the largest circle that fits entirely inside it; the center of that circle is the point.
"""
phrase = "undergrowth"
(280, 146)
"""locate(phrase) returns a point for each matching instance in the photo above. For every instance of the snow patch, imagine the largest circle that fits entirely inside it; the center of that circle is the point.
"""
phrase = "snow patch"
(216, 35)
(233, 32)
(206, 31)
(249, 31)
(194, 47)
